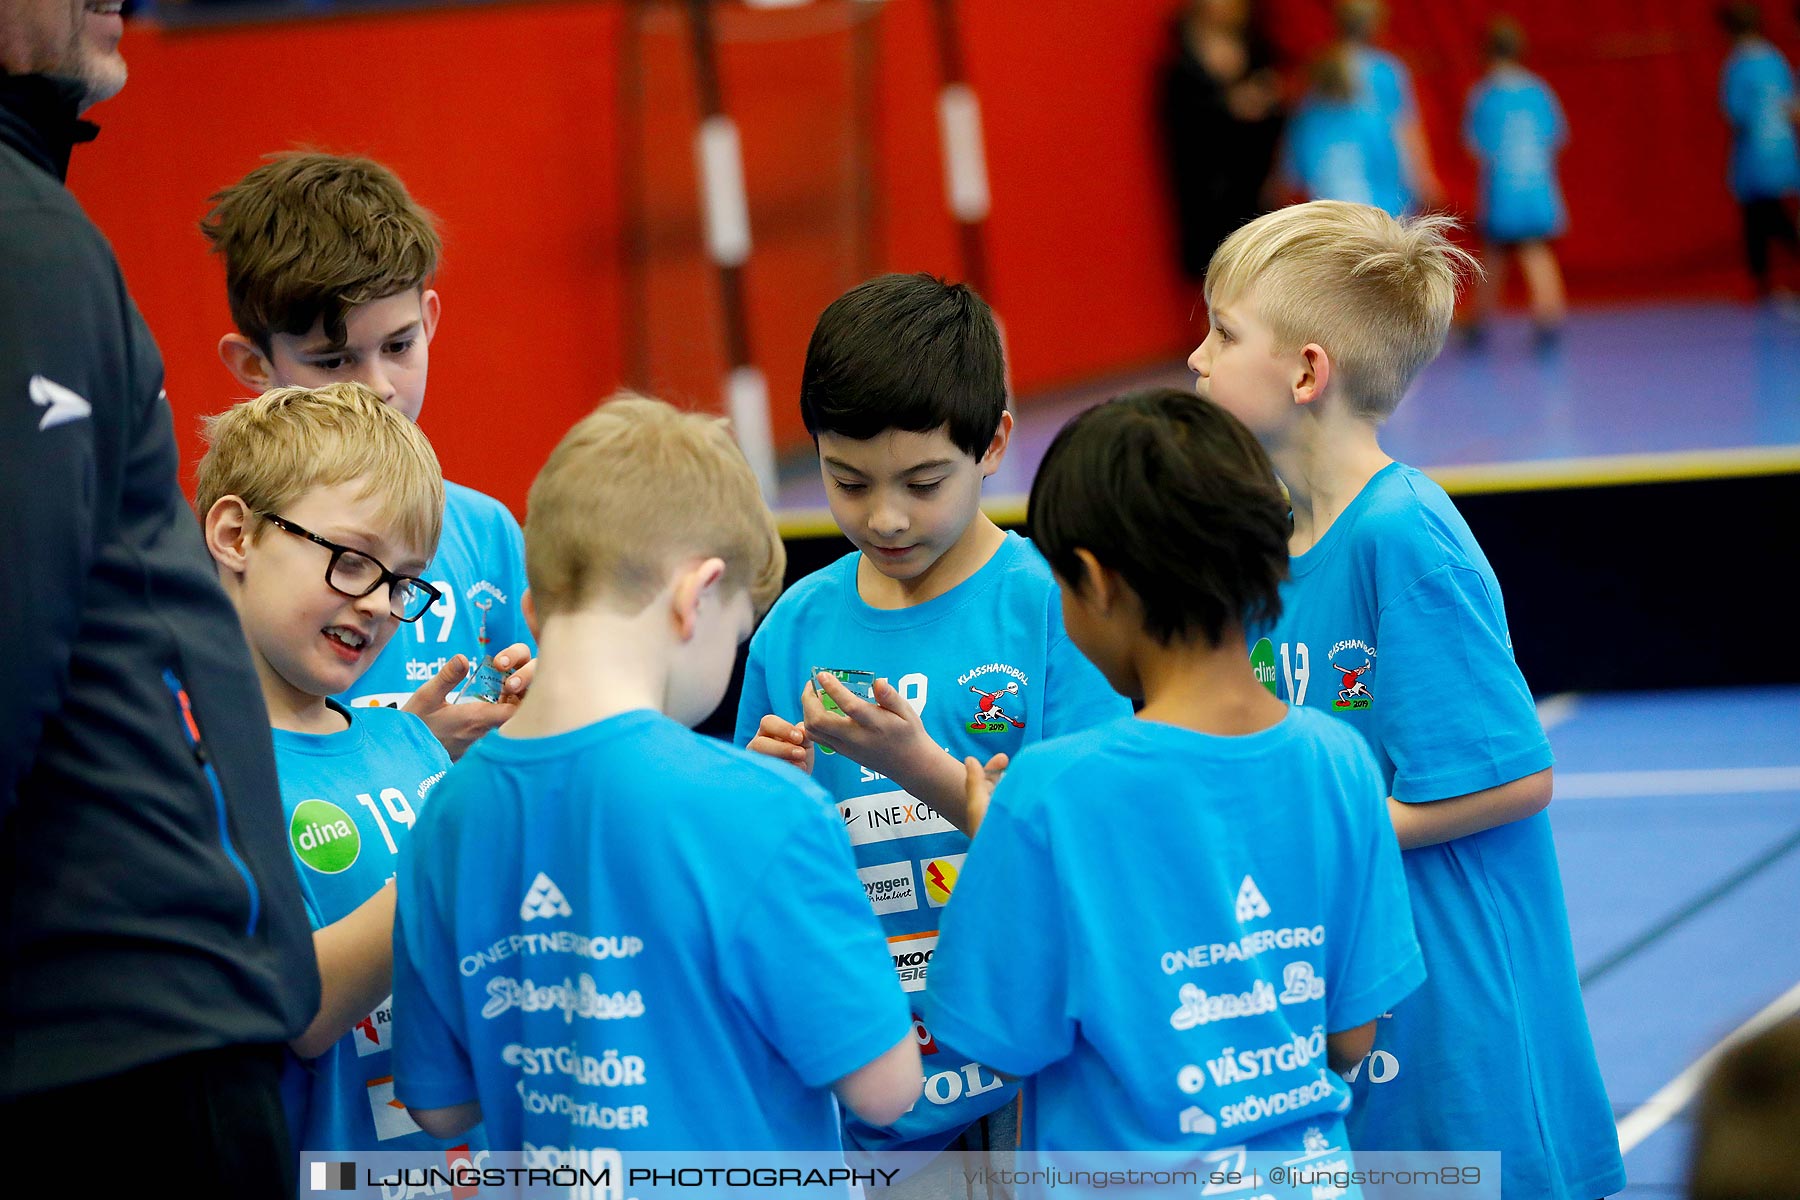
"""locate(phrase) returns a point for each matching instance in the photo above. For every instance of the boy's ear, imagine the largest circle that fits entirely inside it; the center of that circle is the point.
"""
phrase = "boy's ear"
(692, 583)
(430, 309)
(1311, 373)
(227, 526)
(1099, 585)
(246, 362)
(996, 451)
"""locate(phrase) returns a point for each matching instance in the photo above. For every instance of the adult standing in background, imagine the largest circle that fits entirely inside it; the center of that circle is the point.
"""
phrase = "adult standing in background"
(1222, 115)
(157, 954)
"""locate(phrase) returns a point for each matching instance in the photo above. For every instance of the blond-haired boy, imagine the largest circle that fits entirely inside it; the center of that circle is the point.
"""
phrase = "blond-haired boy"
(328, 266)
(321, 509)
(598, 858)
(1322, 314)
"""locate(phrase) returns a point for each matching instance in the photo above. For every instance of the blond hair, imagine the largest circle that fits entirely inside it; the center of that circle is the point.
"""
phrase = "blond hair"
(631, 491)
(274, 449)
(308, 236)
(1377, 292)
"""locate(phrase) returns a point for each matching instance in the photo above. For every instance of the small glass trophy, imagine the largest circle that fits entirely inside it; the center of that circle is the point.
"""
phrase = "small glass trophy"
(862, 683)
(489, 681)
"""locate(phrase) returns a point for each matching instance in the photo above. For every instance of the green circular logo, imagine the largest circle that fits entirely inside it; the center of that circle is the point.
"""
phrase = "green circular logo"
(1262, 661)
(324, 837)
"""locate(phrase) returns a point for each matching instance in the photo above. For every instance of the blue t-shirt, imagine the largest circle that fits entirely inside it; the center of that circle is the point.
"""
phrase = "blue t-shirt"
(1169, 985)
(1382, 83)
(989, 668)
(1384, 86)
(480, 560)
(351, 800)
(1344, 151)
(1756, 90)
(1393, 622)
(1514, 127)
(634, 937)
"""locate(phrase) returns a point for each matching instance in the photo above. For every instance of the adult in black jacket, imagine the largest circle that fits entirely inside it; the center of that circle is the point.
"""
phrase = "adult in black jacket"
(1221, 120)
(157, 954)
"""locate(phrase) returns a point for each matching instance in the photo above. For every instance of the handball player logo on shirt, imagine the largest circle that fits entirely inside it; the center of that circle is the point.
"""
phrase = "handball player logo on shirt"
(999, 704)
(1352, 660)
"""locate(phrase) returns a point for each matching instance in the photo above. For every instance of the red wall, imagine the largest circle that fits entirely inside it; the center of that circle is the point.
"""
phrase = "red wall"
(505, 121)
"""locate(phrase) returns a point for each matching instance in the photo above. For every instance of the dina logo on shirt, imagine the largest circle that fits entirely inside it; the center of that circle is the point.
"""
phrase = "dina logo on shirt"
(999, 697)
(324, 837)
(1352, 660)
(1262, 662)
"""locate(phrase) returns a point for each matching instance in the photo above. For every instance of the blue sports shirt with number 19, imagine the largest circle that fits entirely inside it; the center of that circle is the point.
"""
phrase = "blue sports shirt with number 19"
(351, 799)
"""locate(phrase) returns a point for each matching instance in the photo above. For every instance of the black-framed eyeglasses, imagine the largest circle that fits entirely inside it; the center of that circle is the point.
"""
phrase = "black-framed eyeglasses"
(355, 574)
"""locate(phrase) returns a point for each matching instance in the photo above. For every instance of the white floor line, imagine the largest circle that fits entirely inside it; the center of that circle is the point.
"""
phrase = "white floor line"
(1674, 1096)
(1554, 710)
(1618, 785)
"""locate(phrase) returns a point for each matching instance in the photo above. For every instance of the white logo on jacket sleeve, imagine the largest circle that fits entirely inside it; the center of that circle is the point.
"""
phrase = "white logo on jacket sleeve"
(544, 901)
(60, 404)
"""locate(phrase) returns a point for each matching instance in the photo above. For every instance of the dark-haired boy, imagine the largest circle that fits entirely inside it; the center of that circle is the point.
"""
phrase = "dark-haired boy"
(1252, 892)
(328, 266)
(904, 393)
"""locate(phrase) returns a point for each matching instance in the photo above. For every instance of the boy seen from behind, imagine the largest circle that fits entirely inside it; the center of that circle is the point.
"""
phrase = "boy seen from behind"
(950, 628)
(1101, 967)
(328, 266)
(321, 509)
(707, 970)
(1322, 314)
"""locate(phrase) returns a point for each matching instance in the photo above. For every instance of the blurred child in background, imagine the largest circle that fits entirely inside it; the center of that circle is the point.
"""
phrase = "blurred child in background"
(1756, 90)
(1514, 128)
(1384, 86)
(1340, 148)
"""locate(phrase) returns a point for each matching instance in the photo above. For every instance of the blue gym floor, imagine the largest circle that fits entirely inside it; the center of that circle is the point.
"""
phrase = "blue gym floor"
(1677, 819)
(1641, 392)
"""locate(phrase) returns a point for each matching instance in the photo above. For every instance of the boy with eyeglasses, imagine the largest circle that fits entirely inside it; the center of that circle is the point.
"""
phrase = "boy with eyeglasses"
(321, 507)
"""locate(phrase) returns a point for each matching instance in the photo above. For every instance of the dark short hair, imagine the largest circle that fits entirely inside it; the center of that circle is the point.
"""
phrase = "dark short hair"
(1505, 38)
(1175, 495)
(1740, 17)
(907, 352)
